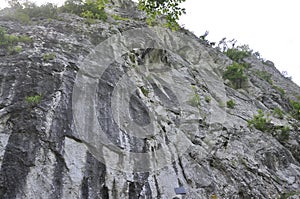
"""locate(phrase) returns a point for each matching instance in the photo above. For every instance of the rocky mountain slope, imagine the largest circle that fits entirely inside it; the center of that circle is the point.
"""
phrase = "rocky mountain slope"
(117, 109)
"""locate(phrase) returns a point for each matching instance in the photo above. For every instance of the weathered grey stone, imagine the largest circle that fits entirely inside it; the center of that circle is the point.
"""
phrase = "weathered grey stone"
(161, 109)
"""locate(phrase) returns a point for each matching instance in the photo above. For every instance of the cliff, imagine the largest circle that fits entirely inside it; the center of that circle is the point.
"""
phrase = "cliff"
(117, 109)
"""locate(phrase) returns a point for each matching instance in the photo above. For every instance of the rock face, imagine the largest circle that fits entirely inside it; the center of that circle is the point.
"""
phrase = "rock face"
(121, 110)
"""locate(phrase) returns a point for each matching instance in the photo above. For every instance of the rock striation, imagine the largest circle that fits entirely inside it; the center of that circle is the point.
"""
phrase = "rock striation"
(117, 109)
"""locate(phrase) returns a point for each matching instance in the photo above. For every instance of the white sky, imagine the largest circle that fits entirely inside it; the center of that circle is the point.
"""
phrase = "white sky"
(268, 26)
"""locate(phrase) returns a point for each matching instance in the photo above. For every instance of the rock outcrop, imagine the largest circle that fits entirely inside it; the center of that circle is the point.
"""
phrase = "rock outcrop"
(117, 109)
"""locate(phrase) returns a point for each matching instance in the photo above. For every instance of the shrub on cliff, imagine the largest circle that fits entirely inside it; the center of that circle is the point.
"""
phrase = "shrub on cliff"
(237, 54)
(10, 42)
(296, 109)
(92, 9)
(259, 121)
(235, 74)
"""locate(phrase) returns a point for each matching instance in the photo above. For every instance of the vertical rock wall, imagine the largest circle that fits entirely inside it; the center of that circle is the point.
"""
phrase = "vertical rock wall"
(161, 108)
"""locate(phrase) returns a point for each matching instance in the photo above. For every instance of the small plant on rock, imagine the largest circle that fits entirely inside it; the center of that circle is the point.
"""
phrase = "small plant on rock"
(260, 122)
(284, 133)
(230, 104)
(195, 98)
(295, 109)
(145, 91)
(10, 42)
(34, 99)
(279, 89)
(207, 99)
(277, 112)
(49, 56)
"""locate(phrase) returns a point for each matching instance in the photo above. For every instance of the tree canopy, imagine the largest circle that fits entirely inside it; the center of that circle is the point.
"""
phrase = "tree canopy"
(169, 8)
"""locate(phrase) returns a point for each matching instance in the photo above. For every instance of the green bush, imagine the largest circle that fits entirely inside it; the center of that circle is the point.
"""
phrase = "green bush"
(24, 12)
(265, 76)
(237, 54)
(195, 98)
(33, 100)
(230, 104)
(295, 109)
(277, 112)
(286, 195)
(280, 90)
(207, 99)
(46, 11)
(260, 122)
(235, 73)
(170, 9)
(6, 39)
(91, 9)
(49, 56)
(18, 15)
(14, 49)
(72, 6)
(9, 42)
(145, 91)
(119, 18)
(284, 133)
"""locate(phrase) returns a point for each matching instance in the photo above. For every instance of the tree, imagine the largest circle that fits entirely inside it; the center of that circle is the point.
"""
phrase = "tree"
(235, 73)
(169, 8)
(16, 3)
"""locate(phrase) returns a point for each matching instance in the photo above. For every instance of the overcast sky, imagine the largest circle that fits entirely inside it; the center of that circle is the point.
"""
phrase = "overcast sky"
(270, 27)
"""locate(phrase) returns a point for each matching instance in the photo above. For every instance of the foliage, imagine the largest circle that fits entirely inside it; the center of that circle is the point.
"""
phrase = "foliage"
(264, 75)
(94, 9)
(295, 109)
(169, 8)
(195, 98)
(284, 133)
(230, 104)
(47, 11)
(144, 91)
(72, 6)
(207, 99)
(91, 9)
(260, 122)
(9, 42)
(15, 3)
(119, 18)
(280, 90)
(237, 54)
(25, 11)
(49, 56)
(18, 15)
(235, 73)
(14, 49)
(6, 39)
(277, 112)
(287, 195)
(35, 99)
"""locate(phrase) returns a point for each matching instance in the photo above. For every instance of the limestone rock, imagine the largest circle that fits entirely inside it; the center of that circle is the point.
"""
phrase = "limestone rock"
(128, 111)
